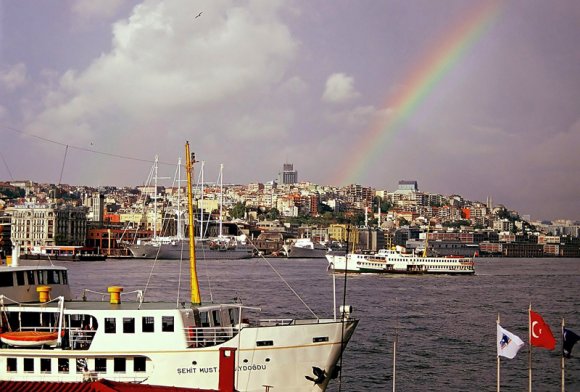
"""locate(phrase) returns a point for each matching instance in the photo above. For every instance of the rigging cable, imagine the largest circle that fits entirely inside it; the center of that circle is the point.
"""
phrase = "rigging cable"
(62, 167)
(284, 280)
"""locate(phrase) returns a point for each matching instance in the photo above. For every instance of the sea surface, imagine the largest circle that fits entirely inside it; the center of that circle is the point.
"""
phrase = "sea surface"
(445, 325)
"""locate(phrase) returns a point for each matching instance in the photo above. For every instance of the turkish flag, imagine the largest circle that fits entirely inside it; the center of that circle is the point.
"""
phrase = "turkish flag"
(540, 333)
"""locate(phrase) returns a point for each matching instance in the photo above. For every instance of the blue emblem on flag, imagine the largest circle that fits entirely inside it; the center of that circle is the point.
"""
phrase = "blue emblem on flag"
(505, 340)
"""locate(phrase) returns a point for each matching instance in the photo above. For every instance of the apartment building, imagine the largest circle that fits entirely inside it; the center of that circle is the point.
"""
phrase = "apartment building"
(47, 225)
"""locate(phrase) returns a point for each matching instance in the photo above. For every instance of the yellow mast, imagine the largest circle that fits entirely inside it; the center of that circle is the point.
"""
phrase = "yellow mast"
(195, 294)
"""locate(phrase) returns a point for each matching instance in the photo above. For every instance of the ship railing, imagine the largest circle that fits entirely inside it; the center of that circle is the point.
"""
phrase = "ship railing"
(38, 329)
(80, 339)
(275, 322)
(209, 336)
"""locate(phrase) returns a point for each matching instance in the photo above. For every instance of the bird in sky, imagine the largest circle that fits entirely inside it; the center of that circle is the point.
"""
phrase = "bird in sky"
(198, 15)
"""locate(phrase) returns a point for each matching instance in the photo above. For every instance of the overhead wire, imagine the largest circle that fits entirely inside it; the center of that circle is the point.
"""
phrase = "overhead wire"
(7, 167)
(85, 149)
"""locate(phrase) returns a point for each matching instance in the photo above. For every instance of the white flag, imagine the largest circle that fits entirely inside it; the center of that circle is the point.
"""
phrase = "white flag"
(508, 344)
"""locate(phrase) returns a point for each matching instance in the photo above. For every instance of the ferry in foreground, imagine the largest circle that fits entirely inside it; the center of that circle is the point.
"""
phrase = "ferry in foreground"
(173, 344)
(394, 261)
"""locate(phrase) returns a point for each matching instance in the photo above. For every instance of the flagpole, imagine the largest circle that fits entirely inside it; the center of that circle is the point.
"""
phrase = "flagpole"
(395, 346)
(530, 350)
(498, 381)
(562, 360)
(395, 360)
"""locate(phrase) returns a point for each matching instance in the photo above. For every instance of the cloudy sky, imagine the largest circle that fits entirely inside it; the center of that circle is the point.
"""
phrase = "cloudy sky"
(477, 98)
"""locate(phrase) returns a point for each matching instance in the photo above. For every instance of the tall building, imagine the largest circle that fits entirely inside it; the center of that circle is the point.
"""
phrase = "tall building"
(96, 204)
(358, 194)
(48, 225)
(289, 175)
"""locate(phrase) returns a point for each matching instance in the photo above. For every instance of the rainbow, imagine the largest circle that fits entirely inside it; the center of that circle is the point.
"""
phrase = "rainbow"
(417, 86)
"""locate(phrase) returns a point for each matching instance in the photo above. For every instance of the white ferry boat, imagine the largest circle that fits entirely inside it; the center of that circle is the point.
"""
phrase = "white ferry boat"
(394, 261)
(173, 344)
(21, 281)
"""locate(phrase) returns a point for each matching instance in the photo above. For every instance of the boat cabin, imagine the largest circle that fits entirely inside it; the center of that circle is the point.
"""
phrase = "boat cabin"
(21, 283)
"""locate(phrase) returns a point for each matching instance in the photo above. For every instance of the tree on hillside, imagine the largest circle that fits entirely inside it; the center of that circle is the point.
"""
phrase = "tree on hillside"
(238, 211)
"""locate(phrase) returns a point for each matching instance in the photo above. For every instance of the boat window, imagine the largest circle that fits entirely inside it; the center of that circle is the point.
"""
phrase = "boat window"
(6, 279)
(82, 365)
(234, 314)
(262, 343)
(167, 324)
(20, 278)
(128, 325)
(64, 276)
(110, 325)
(29, 364)
(120, 365)
(53, 277)
(139, 364)
(30, 275)
(41, 277)
(11, 365)
(63, 365)
(148, 324)
(215, 315)
(101, 365)
(45, 365)
(204, 319)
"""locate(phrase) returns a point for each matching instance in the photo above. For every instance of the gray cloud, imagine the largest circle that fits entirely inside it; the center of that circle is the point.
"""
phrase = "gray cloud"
(248, 84)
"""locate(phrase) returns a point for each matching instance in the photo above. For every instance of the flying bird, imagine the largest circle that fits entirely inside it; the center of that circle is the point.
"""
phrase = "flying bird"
(198, 15)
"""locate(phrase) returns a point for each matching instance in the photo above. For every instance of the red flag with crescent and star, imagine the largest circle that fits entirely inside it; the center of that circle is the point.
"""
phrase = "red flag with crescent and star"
(540, 333)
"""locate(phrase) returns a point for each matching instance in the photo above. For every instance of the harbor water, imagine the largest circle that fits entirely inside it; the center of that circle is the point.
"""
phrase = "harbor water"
(445, 325)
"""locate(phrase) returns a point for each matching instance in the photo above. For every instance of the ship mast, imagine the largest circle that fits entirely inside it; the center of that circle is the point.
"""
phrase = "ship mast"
(195, 294)
(221, 198)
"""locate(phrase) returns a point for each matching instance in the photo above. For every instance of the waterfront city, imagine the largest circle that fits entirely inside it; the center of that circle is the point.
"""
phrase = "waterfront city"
(105, 220)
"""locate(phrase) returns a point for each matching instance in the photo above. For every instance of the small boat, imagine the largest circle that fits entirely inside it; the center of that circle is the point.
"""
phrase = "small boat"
(395, 261)
(29, 338)
(305, 248)
(63, 253)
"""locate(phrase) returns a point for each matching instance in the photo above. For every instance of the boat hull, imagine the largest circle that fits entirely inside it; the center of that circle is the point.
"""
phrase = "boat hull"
(296, 252)
(286, 365)
(180, 250)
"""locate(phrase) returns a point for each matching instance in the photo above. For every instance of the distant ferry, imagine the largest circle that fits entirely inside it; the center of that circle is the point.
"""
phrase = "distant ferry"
(389, 261)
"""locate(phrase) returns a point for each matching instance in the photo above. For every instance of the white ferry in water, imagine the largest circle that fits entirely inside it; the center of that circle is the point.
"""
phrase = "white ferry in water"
(202, 346)
(394, 261)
